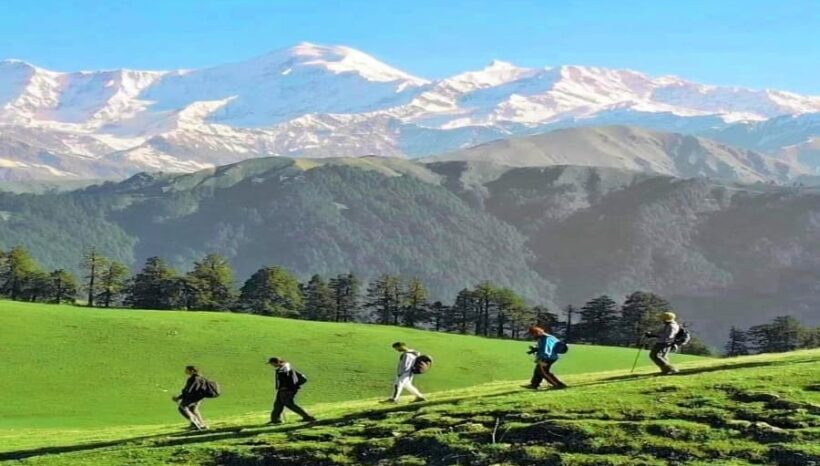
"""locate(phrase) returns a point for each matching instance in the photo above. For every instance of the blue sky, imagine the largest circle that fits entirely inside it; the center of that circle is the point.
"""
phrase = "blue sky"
(749, 43)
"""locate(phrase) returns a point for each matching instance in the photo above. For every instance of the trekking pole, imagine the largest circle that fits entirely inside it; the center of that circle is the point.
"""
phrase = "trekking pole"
(640, 347)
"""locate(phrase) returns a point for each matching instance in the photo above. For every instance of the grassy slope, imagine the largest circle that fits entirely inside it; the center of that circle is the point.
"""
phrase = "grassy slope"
(68, 367)
(754, 410)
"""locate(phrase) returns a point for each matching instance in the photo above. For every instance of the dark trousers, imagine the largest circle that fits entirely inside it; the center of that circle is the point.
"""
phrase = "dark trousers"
(660, 356)
(542, 372)
(190, 411)
(285, 399)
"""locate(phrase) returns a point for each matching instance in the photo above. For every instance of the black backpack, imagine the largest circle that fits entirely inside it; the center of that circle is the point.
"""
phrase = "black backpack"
(301, 379)
(683, 337)
(211, 389)
(422, 364)
(561, 347)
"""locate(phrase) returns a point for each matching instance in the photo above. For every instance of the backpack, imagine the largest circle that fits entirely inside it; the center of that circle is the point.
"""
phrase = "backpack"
(683, 337)
(301, 379)
(422, 364)
(561, 347)
(211, 389)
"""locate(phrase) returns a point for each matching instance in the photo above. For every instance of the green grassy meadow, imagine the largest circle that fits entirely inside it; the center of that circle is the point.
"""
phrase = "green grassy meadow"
(73, 368)
(744, 411)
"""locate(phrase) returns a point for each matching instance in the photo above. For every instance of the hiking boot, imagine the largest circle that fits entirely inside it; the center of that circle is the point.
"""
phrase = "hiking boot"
(420, 399)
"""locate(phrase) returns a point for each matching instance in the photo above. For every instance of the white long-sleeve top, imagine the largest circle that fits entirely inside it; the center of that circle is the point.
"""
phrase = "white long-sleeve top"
(406, 361)
(669, 332)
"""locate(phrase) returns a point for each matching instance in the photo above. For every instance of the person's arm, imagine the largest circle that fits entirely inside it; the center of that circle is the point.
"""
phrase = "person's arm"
(406, 363)
(185, 389)
(542, 348)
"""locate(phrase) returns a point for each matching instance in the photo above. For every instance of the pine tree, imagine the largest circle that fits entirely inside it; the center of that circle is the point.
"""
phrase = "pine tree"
(738, 343)
(113, 281)
(18, 272)
(211, 284)
(600, 320)
(93, 264)
(639, 314)
(272, 291)
(415, 308)
(569, 332)
(440, 316)
(782, 334)
(62, 287)
(464, 312)
(319, 300)
(521, 318)
(36, 287)
(508, 306)
(152, 287)
(346, 296)
(384, 299)
(484, 296)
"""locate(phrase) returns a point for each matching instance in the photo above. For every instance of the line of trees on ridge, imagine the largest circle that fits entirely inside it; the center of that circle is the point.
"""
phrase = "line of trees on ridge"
(486, 309)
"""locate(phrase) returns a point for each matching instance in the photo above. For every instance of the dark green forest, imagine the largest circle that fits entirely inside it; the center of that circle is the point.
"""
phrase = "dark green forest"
(723, 253)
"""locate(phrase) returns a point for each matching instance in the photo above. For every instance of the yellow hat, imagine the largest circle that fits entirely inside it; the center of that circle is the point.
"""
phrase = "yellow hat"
(668, 316)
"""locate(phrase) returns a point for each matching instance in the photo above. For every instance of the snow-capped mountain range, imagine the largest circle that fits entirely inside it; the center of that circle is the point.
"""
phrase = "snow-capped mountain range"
(312, 100)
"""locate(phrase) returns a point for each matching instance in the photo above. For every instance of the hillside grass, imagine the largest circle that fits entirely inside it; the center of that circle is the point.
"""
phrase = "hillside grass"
(753, 410)
(74, 368)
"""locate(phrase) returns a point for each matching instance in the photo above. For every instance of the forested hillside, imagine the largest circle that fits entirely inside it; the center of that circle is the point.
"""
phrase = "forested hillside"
(722, 253)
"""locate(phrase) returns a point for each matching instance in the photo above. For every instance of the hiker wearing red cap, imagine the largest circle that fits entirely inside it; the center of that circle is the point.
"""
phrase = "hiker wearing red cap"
(547, 351)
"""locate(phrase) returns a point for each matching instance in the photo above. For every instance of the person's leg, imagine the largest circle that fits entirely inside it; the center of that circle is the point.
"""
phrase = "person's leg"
(413, 390)
(198, 414)
(277, 415)
(663, 359)
(552, 379)
(185, 410)
(398, 388)
(654, 355)
(537, 376)
(289, 401)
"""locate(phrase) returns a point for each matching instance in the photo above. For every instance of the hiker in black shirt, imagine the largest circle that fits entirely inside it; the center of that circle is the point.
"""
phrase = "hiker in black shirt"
(190, 398)
(288, 381)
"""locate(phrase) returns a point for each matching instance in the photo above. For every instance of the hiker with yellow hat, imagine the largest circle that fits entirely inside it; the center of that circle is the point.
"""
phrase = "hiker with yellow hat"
(666, 343)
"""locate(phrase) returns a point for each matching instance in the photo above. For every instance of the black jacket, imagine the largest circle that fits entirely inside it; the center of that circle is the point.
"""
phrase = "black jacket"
(194, 389)
(289, 379)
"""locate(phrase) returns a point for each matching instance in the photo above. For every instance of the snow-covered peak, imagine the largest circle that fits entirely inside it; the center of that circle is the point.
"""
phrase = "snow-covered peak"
(336, 59)
(330, 100)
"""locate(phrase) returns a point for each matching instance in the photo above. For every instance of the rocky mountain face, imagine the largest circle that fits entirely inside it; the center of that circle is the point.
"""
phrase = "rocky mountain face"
(319, 101)
(723, 253)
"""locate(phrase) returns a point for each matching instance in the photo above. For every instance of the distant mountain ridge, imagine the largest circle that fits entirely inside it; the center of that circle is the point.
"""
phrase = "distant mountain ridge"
(634, 149)
(724, 253)
(317, 101)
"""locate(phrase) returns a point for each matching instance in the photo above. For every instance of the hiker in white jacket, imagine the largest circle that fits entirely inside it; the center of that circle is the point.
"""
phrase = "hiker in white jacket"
(404, 374)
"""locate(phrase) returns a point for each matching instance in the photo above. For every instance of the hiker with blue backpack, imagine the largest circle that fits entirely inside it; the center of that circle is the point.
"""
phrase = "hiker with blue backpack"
(196, 389)
(547, 351)
(288, 382)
